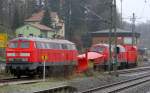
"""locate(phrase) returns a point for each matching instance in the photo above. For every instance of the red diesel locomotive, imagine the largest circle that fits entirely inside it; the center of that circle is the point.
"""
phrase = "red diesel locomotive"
(127, 56)
(24, 56)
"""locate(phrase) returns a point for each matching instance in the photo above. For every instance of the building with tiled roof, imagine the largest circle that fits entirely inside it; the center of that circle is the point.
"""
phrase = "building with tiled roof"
(35, 18)
(123, 36)
(36, 30)
(57, 24)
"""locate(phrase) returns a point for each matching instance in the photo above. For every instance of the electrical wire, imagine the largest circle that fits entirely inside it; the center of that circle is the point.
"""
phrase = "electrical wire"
(143, 9)
(146, 3)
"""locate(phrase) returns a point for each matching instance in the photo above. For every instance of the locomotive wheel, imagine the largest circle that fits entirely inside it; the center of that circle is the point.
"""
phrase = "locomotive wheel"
(54, 71)
(31, 74)
(66, 71)
(18, 74)
(122, 66)
(40, 71)
(71, 70)
(136, 64)
(48, 71)
(127, 66)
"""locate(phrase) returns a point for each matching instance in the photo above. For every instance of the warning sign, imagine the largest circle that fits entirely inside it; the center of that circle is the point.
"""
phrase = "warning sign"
(3, 40)
(44, 57)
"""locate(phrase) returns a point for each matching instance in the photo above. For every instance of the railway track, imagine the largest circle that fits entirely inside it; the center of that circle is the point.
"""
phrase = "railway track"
(110, 88)
(59, 89)
(139, 69)
(15, 81)
(119, 86)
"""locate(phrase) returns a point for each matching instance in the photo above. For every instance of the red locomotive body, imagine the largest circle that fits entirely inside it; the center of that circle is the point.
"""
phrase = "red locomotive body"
(131, 55)
(24, 56)
(126, 57)
(102, 49)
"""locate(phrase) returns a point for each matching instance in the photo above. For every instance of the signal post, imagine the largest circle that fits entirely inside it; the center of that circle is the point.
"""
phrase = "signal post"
(44, 58)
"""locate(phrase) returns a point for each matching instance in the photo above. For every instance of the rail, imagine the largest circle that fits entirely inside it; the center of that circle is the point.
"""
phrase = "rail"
(115, 87)
(59, 89)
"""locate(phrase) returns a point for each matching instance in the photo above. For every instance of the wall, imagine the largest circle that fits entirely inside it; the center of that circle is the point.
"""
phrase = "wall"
(26, 30)
(96, 40)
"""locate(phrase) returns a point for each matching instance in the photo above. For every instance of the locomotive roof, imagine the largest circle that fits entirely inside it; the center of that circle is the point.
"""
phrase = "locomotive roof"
(42, 40)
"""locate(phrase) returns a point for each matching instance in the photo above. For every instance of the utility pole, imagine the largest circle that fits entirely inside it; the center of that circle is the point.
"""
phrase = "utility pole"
(110, 38)
(70, 14)
(115, 37)
(121, 13)
(133, 29)
(44, 71)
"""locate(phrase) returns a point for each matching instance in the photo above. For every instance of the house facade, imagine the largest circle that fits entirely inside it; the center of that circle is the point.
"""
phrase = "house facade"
(36, 30)
(57, 24)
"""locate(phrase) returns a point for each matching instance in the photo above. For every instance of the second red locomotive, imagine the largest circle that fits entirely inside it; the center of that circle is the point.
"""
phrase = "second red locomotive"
(127, 56)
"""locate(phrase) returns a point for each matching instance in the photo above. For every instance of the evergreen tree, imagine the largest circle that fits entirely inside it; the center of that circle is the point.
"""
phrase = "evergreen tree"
(79, 22)
(46, 18)
(55, 5)
(16, 19)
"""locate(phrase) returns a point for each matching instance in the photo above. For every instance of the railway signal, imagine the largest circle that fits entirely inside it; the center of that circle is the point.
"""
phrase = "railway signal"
(44, 58)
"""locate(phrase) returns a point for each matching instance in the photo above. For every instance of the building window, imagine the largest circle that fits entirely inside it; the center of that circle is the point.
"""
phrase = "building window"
(31, 34)
(44, 34)
(20, 35)
(27, 27)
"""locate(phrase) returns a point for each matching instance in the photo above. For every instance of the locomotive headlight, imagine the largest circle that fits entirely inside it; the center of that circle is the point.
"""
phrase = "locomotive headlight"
(11, 54)
(25, 54)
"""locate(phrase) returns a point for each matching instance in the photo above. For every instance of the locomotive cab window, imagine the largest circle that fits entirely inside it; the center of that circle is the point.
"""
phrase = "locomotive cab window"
(97, 49)
(43, 45)
(25, 44)
(50, 45)
(71, 47)
(55, 46)
(38, 45)
(64, 46)
(47, 46)
(13, 45)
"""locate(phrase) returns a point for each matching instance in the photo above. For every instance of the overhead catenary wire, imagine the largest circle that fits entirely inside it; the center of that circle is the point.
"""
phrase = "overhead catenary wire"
(141, 16)
(143, 9)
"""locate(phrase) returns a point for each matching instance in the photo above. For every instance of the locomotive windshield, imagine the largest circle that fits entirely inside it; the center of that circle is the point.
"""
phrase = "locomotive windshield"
(97, 49)
(13, 45)
(24, 44)
(19, 44)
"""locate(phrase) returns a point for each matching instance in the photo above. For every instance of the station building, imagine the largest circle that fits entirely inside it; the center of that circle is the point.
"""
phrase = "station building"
(123, 36)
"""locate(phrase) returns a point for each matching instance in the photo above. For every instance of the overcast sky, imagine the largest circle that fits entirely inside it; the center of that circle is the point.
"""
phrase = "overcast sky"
(141, 8)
